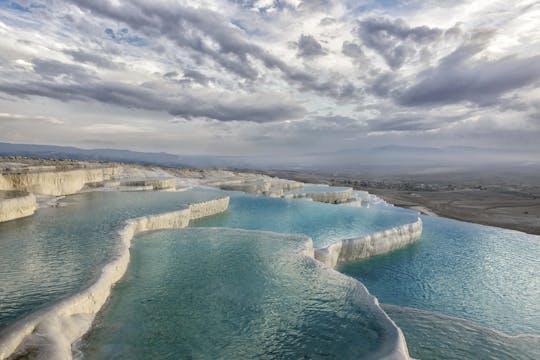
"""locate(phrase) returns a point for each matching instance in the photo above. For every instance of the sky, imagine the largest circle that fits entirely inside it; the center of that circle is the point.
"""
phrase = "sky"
(270, 77)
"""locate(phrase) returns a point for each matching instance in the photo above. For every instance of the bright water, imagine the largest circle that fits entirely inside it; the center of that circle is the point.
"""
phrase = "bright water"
(228, 294)
(483, 274)
(324, 223)
(57, 251)
(433, 336)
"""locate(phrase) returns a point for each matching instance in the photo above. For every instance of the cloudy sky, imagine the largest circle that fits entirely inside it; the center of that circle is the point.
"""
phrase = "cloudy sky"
(282, 77)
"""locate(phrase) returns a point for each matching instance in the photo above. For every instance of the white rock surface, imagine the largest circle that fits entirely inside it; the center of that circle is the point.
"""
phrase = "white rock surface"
(54, 182)
(17, 207)
(331, 197)
(363, 247)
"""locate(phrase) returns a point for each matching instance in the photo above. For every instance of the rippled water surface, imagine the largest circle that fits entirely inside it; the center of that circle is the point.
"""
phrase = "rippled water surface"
(324, 223)
(56, 252)
(483, 274)
(434, 336)
(218, 293)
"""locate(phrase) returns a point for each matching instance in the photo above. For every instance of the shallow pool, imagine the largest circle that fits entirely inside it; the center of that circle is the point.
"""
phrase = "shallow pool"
(483, 274)
(324, 223)
(229, 294)
(58, 251)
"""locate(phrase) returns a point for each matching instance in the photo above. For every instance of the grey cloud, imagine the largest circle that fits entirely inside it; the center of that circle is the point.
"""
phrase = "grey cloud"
(91, 58)
(315, 5)
(394, 40)
(410, 122)
(189, 76)
(383, 84)
(49, 69)
(354, 51)
(309, 47)
(255, 108)
(171, 74)
(339, 87)
(195, 76)
(459, 77)
(328, 21)
(480, 82)
(401, 124)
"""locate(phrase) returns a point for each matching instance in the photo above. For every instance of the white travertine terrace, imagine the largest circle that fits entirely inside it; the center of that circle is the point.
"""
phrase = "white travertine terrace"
(51, 332)
(17, 207)
(349, 250)
(331, 197)
(151, 183)
(52, 181)
(272, 187)
(246, 182)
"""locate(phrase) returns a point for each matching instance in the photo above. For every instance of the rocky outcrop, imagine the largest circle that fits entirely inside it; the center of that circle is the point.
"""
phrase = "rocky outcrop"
(54, 182)
(17, 206)
(49, 333)
(349, 250)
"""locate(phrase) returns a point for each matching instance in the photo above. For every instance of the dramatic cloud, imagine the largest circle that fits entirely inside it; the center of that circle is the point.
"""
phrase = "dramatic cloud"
(257, 76)
(262, 108)
(309, 47)
(455, 79)
(394, 40)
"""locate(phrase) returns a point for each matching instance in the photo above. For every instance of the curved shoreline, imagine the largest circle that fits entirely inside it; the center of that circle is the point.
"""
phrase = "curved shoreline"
(52, 330)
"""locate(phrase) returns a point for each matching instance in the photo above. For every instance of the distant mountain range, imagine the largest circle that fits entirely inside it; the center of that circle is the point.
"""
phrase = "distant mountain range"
(386, 159)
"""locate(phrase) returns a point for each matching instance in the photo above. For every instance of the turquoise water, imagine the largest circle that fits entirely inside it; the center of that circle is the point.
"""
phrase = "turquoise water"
(433, 336)
(324, 223)
(57, 251)
(203, 293)
(222, 293)
(483, 274)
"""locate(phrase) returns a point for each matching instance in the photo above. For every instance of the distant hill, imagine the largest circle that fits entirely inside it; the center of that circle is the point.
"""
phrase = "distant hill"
(128, 156)
(62, 152)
